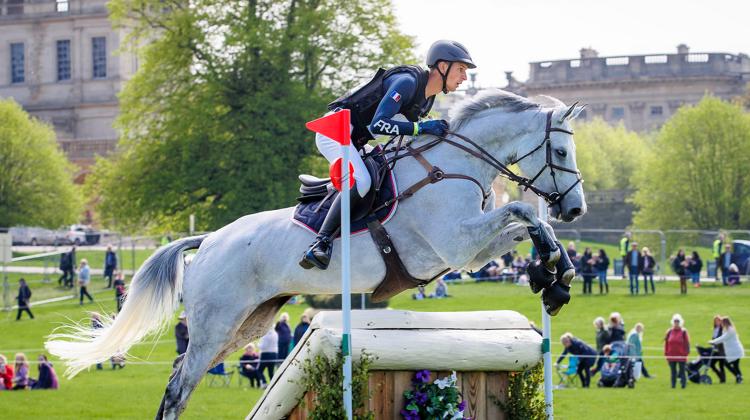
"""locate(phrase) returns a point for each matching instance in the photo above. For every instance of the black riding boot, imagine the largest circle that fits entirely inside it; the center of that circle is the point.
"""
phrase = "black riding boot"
(319, 253)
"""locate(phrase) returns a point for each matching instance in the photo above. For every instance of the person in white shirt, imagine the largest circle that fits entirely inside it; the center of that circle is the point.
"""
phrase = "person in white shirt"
(268, 346)
(733, 349)
(84, 278)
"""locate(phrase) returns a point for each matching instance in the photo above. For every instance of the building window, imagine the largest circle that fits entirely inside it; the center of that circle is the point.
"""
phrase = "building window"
(62, 5)
(14, 7)
(16, 63)
(63, 60)
(618, 113)
(99, 57)
(657, 110)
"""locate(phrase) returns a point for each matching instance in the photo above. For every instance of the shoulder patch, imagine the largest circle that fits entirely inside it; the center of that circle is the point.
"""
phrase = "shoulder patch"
(396, 96)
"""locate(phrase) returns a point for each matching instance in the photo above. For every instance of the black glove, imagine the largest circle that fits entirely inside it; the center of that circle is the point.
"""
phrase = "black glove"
(434, 127)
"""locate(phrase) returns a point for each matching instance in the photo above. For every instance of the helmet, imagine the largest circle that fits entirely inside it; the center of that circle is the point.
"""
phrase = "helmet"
(446, 50)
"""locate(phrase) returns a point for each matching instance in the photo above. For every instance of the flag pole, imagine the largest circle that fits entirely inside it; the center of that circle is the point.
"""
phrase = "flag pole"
(546, 333)
(346, 304)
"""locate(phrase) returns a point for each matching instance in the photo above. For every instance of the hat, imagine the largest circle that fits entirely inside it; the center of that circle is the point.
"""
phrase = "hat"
(183, 315)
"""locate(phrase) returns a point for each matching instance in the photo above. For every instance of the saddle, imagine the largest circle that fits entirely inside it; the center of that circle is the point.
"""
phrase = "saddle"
(376, 208)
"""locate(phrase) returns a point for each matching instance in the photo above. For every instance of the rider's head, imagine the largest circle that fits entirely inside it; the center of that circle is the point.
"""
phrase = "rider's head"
(450, 60)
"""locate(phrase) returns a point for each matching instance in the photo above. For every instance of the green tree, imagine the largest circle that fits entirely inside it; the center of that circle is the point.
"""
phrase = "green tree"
(213, 121)
(697, 175)
(607, 155)
(36, 180)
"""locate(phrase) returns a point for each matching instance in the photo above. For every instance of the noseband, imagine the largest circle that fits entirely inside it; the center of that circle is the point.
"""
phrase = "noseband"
(436, 174)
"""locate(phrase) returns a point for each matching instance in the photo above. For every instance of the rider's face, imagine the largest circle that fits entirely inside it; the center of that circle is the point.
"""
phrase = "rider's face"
(456, 76)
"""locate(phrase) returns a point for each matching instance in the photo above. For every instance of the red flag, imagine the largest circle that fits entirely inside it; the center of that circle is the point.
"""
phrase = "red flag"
(334, 126)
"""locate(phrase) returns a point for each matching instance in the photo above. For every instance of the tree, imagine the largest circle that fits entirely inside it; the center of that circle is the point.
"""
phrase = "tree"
(36, 180)
(696, 178)
(607, 156)
(213, 121)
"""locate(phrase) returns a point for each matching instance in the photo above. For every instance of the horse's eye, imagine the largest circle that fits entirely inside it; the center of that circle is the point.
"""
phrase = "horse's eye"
(562, 153)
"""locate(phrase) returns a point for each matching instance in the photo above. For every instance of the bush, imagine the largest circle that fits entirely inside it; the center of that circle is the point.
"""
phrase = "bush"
(525, 402)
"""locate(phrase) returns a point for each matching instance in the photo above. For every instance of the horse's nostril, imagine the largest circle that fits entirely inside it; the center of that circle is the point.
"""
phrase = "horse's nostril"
(575, 211)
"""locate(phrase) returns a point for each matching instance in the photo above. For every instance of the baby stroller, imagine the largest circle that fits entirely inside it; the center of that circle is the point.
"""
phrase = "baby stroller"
(617, 370)
(697, 370)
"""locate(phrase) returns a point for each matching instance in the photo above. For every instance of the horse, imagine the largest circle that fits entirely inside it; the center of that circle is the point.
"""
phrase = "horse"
(244, 272)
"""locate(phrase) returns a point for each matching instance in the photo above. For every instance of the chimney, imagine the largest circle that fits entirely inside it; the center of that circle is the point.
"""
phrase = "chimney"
(683, 49)
(589, 53)
(509, 77)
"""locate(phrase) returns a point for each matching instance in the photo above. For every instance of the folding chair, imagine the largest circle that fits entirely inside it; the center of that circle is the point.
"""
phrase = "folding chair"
(568, 373)
(217, 376)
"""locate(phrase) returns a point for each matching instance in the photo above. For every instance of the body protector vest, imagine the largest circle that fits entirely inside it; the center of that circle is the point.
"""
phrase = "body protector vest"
(363, 101)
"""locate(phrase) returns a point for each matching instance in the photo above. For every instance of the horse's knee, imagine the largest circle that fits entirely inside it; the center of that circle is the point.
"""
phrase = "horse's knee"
(523, 212)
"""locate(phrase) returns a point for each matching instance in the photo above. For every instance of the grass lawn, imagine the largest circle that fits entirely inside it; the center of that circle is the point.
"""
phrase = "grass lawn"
(135, 391)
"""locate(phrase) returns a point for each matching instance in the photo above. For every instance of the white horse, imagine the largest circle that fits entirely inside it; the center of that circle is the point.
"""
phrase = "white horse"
(244, 272)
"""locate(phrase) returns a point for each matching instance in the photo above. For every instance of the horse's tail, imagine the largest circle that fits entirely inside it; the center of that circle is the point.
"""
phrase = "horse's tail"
(151, 301)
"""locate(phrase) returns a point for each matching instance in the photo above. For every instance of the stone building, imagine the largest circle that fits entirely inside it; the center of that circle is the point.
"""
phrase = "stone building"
(60, 62)
(642, 91)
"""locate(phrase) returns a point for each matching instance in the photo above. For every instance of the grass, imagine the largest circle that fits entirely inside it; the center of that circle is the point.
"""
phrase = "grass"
(136, 391)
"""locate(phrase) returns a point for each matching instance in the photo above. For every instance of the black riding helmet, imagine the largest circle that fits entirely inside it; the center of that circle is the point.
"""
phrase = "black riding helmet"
(451, 52)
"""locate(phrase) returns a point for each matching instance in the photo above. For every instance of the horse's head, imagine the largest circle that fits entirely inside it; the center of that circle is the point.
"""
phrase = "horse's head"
(535, 135)
(547, 156)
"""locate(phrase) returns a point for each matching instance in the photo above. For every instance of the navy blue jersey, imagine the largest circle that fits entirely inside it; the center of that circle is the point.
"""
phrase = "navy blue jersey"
(400, 89)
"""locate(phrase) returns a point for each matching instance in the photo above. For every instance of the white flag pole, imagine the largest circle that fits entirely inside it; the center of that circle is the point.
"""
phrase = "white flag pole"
(546, 333)
(346, 304)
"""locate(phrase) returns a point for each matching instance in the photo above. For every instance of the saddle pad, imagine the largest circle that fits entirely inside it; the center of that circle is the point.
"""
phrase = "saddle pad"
(311, 215)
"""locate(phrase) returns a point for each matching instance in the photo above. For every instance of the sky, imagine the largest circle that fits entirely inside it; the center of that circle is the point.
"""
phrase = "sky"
(505, 35)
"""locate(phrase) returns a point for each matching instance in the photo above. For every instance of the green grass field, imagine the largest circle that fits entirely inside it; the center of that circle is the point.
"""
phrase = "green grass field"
(135, 392)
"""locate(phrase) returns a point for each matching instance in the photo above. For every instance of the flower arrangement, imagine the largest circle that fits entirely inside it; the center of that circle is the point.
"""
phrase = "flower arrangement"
(433, 400)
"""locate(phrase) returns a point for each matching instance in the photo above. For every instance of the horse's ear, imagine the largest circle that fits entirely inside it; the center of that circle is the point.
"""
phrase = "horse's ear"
(568, 112)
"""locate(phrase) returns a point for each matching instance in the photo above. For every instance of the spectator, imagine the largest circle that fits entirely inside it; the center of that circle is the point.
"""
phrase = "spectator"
(249, 364)
(421, 294)
(726, 262)
(110, 265)
(694, 269)
(181, 334)
(301, 328)
(601, 265)
(586, 356)
(677, 348)
(616, 327)
(6, 374)
(716, 251)
(602, 334)
(635, 262)
(453, 275)
(96, 323)
(635, 349)
(21, 378)
(284, 333)
(67, 266)
(587, 270)
(573, 254)
(490, 270)
(717, 353)
(624, 246)
(23, 298)
(732, 347)
(733, 278)
(507, 259)
(47, 376)
(268, 346)
(441, 290)
(119, 290)
(678, 265)
(649, 265)
(84, 279)
(519, 265)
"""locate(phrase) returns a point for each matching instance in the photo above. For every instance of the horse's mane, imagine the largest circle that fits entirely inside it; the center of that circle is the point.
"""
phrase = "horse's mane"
(495, 98)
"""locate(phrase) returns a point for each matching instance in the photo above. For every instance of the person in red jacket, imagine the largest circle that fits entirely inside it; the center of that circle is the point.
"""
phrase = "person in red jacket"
(677, 348)
(6, 374)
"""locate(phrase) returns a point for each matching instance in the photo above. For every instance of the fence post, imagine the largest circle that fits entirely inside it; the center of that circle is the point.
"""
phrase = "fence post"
(6, 290)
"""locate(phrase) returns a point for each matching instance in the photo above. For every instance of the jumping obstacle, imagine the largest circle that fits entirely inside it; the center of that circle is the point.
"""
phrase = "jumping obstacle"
(482, 347)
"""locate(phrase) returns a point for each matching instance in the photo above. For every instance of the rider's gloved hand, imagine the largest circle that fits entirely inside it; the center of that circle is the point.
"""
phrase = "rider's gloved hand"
(434, 127)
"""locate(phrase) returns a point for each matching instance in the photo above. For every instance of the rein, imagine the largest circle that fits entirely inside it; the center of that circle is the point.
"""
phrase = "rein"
(435, 174)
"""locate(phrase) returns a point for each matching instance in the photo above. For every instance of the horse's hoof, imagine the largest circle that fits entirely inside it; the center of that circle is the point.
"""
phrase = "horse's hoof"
(553, 258)
(555, 297)
(539, 276)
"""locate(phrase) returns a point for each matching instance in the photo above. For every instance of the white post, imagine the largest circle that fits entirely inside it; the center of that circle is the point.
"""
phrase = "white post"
(546, 334)
(192, 224)
(346, 304)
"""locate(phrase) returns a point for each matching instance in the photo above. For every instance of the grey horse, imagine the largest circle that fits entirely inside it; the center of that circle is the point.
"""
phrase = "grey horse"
(244, 272)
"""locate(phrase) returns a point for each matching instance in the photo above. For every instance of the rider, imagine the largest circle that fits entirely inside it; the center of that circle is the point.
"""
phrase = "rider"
(406, 90)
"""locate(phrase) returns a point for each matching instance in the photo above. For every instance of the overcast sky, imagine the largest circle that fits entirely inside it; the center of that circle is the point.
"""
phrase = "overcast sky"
(505, 35)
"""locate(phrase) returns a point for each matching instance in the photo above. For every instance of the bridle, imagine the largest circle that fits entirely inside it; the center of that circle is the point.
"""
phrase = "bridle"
(436, 174)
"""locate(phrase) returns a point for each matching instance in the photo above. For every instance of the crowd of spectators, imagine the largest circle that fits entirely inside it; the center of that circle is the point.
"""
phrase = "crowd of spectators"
(18, 376)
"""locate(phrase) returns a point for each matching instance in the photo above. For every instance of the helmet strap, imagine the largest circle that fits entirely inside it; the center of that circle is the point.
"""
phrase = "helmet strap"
(444, 76)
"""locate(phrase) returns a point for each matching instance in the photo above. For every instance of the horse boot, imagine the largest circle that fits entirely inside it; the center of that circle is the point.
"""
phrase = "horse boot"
(566, 271)
(319, 253)
(554, 297)
(539, 276)
(548, 250)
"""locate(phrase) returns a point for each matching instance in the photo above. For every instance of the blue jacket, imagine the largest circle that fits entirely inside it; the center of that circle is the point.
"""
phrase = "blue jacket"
(579, 348)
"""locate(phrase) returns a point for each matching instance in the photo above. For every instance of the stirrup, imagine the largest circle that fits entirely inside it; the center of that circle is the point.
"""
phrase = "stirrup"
(309, 260)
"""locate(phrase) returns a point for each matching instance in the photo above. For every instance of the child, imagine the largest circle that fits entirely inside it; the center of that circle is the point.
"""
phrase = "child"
(21, 379)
